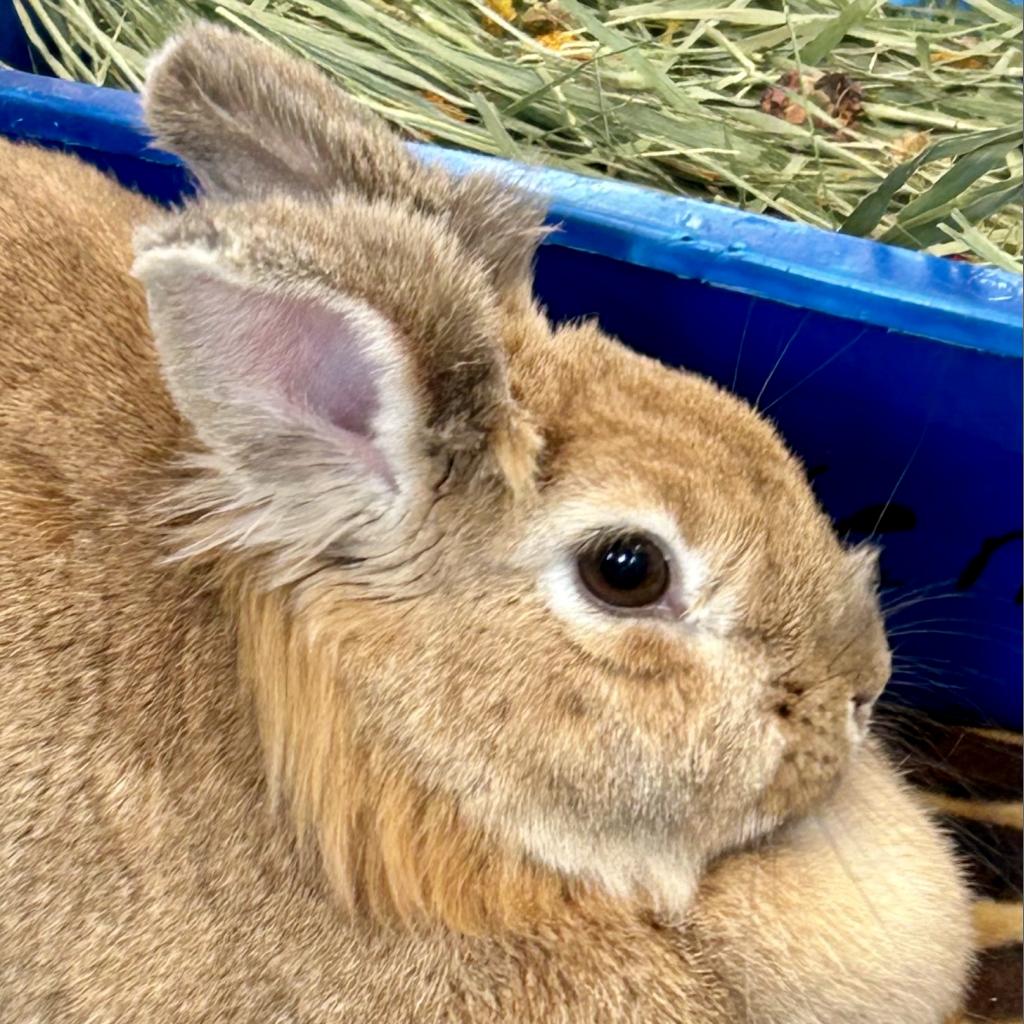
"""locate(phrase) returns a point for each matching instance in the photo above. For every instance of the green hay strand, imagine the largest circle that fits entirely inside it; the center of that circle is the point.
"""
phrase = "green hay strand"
(665, 94)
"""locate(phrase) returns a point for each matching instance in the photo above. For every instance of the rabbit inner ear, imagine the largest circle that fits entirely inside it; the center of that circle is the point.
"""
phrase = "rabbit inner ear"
(331, 362)
(303, 352)
(303, 400)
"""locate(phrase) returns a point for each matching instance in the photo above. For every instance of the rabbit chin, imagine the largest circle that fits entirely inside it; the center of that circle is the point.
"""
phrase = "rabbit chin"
(663, 877)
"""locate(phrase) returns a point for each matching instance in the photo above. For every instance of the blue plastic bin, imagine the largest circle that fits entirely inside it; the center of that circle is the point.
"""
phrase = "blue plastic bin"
(896, 375)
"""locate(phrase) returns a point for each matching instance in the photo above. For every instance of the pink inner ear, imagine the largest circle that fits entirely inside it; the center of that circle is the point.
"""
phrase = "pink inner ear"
(299, 350)
(298, 353)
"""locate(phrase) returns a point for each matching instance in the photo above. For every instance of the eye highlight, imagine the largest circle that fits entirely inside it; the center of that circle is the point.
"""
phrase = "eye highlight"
(627, 571)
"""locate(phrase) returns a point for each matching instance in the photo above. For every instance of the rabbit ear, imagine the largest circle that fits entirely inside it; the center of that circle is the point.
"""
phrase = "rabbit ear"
(301, 401)
(250, 121)
(329, 402)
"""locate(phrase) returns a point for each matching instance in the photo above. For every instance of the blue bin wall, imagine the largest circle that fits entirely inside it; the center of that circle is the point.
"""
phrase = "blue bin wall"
(895, 375)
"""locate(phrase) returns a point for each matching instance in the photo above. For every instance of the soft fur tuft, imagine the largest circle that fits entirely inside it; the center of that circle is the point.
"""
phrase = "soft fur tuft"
(393, 850)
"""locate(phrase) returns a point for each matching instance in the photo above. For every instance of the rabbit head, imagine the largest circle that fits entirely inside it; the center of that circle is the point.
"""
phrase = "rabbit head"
(525, 615)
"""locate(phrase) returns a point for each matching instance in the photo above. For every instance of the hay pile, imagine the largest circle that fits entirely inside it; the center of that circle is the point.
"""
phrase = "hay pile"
(902, 124)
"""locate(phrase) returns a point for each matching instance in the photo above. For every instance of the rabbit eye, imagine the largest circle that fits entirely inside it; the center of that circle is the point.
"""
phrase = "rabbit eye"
(625, 572)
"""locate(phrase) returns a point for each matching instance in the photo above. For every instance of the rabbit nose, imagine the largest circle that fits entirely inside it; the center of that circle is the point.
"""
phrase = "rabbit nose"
(862, 703)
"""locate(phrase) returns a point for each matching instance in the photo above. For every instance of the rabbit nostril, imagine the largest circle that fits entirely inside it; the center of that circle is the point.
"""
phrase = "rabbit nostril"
(862, 704)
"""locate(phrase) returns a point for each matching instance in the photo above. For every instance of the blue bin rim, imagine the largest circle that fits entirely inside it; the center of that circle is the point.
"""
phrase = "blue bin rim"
(880, 285)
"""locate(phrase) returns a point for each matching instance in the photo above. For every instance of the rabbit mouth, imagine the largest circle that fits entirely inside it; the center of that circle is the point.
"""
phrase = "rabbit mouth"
(806, 776)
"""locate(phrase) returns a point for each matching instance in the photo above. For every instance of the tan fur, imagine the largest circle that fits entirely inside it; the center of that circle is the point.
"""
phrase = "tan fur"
(296, 727)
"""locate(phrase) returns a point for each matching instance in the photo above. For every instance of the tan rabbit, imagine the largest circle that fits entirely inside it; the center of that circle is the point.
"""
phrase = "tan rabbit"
(374, 653)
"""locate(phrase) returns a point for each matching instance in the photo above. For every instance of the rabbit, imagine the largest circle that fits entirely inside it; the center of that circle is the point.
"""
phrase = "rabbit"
(375, 652)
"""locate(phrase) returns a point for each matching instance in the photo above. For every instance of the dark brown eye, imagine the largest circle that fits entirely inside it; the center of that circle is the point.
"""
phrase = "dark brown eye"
(627, 572)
